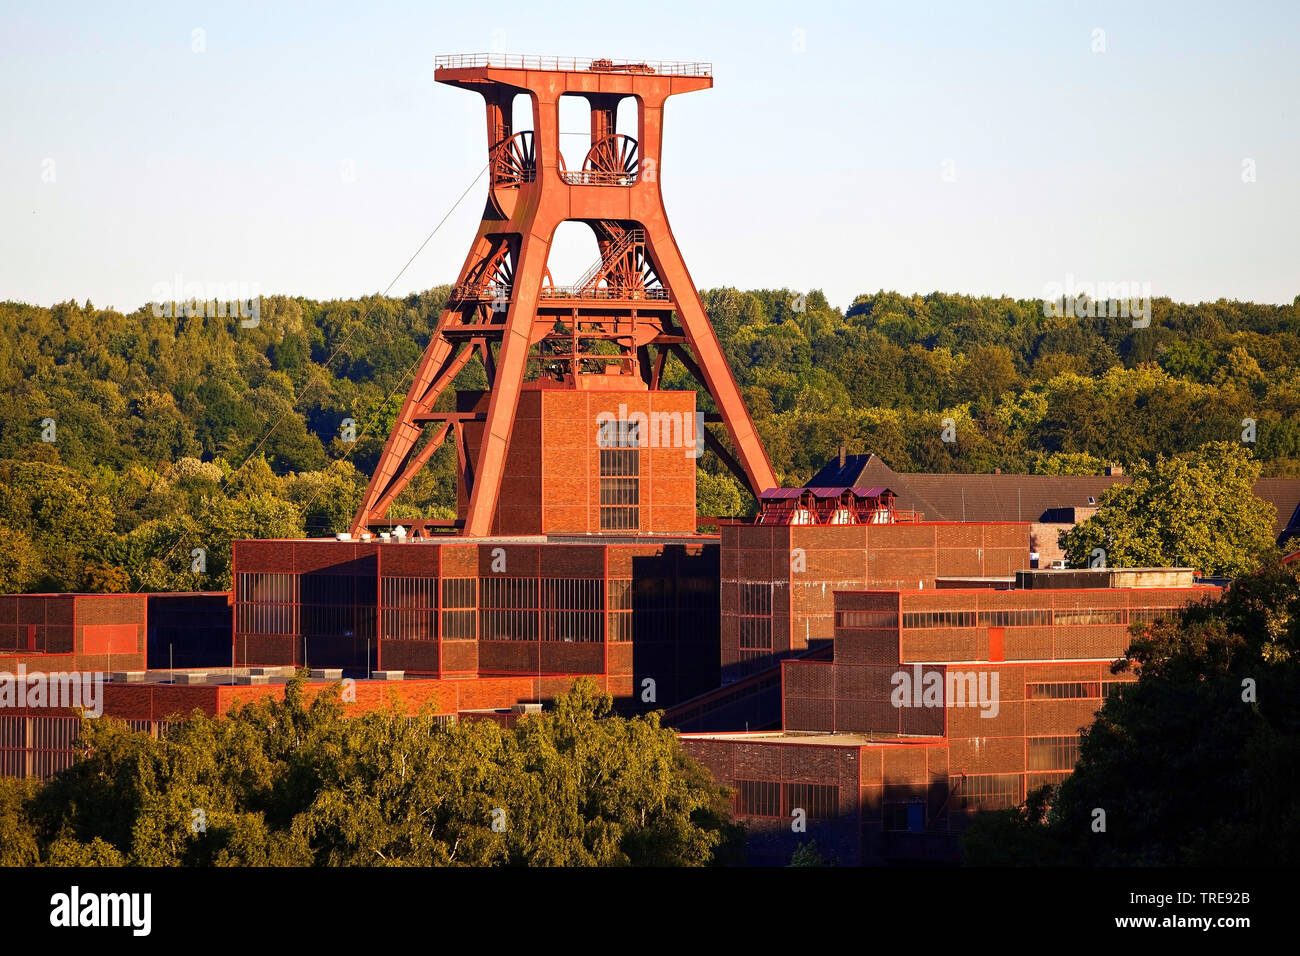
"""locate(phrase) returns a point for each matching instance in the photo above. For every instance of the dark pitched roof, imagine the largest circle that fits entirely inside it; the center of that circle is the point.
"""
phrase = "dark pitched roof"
(1284, 494)
(960, 497)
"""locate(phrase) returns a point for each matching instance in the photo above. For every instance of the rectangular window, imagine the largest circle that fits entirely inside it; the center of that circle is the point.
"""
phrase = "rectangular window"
(1079, 616)
(571, 609)
(410, 608)
(818, 801)
(619, 605)
(509, 609)
(985, 791)
(459, 601)
(758, 798)
(1052, 753)
(265, 603)
(755, 614)
(620, 471)
(1028, 617)
(887, 619)
(939, 619)
(1149, 614)
(1062, 690)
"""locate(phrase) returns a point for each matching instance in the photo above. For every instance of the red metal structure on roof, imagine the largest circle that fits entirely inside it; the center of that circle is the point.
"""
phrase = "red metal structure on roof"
(613, 328)
(873, 505)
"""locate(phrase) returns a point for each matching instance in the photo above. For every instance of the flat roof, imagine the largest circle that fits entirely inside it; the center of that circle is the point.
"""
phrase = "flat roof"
(813, 739)
(537, 539)
(225, 677)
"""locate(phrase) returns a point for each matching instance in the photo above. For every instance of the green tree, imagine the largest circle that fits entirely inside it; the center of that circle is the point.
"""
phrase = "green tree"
(1196, 510)
(298, 782)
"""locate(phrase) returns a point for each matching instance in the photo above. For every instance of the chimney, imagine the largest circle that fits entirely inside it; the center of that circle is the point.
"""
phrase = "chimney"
(1115, 469)
(997, 471)
(843, 453)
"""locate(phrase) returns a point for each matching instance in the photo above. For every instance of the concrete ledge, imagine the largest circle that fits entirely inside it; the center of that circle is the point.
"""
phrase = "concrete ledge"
(128, 677)
(190, 677)
(327, 673)
(389, 675)
(278, 671)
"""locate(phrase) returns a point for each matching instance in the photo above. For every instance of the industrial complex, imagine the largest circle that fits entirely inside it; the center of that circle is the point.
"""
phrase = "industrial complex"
(868, 661)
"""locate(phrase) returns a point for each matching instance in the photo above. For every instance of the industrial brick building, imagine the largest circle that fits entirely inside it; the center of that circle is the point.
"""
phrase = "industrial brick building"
(937, 704)
(778, 580)
(632, 610)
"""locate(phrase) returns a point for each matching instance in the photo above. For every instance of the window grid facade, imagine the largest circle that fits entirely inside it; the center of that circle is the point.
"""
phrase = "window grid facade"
(1024, 617)
(338, 605)
(939, 619)
(1062, 690)
(755, 616)
(509, 609)
(758, 798)
(985, 791)
(1052, 753)
(410, 608)
(459, 609)
(1044, 778)
(768, 798)
(1150, 614)
(266, 603)
(619, 605)
(620, 476)
(572, 609)
(887, 619)
(818, 801)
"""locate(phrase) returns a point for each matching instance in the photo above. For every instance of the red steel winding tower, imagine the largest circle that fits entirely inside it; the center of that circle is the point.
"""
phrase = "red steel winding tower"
(607, 335)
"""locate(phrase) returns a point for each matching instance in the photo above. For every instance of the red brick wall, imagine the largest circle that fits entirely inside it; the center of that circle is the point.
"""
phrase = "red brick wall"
(551, 482)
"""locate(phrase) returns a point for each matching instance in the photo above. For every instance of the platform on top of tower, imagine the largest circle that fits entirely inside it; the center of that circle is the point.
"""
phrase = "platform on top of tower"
(569, 64)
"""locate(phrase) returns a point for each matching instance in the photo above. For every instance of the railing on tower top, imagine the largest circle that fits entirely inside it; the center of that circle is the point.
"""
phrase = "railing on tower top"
(514, 61)
(598, 177)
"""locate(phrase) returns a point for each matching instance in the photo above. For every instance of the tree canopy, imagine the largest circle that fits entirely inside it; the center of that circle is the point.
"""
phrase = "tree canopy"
(1195, 510)
(295, 782)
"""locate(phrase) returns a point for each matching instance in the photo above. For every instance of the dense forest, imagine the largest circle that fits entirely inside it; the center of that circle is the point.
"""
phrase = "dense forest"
(127, 440)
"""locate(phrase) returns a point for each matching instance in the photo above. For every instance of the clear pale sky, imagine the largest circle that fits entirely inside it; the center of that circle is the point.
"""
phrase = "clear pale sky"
(824, 167)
